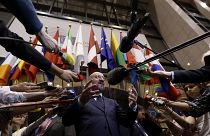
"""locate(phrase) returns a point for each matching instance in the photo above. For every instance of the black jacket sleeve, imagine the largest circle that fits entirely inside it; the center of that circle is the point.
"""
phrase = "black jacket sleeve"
(192, 76)
(200, 105)
(126, 118)
(22, 50)
(71, 114)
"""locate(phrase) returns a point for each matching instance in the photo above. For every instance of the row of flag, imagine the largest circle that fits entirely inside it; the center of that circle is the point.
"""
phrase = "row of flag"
(11, 68)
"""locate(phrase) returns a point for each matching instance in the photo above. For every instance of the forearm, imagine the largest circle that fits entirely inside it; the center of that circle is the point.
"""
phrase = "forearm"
(164, 74)
(186, 124)
(35, 96)
(180, 105)
(28, 107)
(175, 130)
(55, 70)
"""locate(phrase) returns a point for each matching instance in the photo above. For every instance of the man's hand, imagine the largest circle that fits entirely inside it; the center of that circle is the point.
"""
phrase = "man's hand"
(24, 87)
(56, 92)
(132, 97)
(68, 76)
(158, 73)
(90, 91)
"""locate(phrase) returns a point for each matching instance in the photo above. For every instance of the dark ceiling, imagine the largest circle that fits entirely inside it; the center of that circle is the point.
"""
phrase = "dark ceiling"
(115, 12)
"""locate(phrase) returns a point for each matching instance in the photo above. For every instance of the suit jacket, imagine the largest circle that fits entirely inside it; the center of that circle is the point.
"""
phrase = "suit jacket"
(192, 76)
(98, 119)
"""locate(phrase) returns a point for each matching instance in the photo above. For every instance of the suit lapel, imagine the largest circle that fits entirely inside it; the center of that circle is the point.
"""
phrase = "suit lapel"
(54, 120)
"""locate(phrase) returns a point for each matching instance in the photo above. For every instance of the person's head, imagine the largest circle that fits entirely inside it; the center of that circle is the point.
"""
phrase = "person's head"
(97, 78)
(193, 90)
(141, 113)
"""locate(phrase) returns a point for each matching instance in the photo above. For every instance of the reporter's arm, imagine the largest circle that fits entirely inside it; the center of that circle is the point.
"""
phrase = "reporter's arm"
(180, 105)
(187, 123)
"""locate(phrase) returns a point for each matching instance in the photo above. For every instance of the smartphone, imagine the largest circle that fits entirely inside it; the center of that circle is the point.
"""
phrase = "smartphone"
(43, 85)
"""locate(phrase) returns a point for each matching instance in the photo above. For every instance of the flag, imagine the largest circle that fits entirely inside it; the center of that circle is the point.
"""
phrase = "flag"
(93, 48)
(106, 53)
(12, 71)
(67, 45)
(54, 58)
(138, 57)
(6, 67)
(78, 51)
(167, 89)
(18, 70)
(30, 69)
(118, 55)
(124, 54)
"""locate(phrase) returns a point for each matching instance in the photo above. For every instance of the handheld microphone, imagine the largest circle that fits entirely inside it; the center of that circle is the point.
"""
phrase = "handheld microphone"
(134, 6)
(127, 42)
(155, 101)
(67, 58)
(80, 78)
(117, 75)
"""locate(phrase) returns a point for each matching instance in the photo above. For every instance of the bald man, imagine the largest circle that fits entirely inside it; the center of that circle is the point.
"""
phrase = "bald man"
(95, 115)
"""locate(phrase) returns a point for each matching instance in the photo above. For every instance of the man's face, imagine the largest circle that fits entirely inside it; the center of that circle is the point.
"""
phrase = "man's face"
(97, 78)
(141, 114)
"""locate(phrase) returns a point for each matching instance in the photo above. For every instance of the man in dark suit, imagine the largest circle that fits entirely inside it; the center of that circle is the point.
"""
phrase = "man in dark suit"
(96, 115)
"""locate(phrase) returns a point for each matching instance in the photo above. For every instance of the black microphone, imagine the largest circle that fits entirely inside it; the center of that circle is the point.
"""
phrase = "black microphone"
(117, 75)
(127, 42)
(134, 6)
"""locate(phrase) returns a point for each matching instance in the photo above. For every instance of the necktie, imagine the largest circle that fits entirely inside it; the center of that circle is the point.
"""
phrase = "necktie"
(100, 101)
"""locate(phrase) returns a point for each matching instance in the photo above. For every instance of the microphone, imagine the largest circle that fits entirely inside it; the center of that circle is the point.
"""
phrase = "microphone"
(134, 6)
(127, 42)
(67, 58)
(155, 101)
(117, 75)
(80, 78)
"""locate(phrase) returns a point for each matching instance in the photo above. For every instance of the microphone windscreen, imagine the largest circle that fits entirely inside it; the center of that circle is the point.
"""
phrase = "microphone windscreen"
(80, 78)
(148, 98)
(125, 45)
(117, 75)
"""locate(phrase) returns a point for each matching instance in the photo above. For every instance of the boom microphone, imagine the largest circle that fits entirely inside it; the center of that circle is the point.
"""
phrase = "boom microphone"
(127, 42)
(117, 75)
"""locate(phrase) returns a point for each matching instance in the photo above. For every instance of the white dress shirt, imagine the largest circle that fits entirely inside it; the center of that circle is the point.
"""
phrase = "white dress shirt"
(7, 96)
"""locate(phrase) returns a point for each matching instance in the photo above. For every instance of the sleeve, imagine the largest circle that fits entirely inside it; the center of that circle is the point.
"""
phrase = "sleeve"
(22, 50)
(192, 76)
(126, 118)
(7, 96)
(71, 114)
(200, 105)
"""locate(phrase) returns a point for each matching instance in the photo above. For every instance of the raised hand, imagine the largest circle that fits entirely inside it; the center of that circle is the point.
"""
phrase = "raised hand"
(68, 76)
(90, 91)
(132, 97)
(24, 87)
